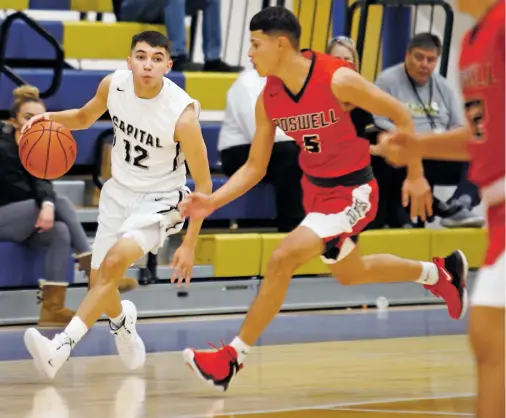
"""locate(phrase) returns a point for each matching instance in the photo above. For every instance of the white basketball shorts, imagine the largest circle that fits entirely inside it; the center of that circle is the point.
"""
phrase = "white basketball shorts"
(489, 288)
(146, 217)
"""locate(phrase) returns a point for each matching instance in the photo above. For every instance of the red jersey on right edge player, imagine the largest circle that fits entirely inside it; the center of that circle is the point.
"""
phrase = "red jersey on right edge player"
(305, 95)
(483, 143)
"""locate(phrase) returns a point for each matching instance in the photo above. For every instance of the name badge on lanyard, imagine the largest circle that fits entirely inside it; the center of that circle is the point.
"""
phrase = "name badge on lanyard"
(426, 108)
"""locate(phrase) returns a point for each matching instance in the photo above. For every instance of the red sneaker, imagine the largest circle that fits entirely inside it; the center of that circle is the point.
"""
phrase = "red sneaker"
(452, 283)
(216, 368)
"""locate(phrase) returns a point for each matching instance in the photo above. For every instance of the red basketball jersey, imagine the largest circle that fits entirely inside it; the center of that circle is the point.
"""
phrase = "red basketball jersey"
(482, 79)
(325, 133)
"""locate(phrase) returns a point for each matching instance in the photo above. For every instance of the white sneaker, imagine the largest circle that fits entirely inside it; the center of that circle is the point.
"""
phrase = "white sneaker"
(130, 346)
(48, 355)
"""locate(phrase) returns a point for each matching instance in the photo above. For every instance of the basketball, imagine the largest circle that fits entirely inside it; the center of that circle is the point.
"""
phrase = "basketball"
(47, 150)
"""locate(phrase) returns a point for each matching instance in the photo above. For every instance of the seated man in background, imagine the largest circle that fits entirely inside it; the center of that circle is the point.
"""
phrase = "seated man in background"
(435, 108)
(234, 144)
(33, 215)
(172, 13)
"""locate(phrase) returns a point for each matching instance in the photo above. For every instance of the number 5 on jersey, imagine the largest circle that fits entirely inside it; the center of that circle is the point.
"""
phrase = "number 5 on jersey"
(312, 143)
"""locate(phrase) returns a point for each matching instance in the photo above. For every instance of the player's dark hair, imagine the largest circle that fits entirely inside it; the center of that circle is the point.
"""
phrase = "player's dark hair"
(153, 39)
(426, 41)
(277, 20)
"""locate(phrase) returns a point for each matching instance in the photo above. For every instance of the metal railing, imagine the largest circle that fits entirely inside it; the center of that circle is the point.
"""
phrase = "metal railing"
(363, 7)
(57, 63)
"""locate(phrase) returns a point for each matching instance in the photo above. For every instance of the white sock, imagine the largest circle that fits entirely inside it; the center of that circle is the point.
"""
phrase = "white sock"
(241, 348)
(118, 321)
(430, 273)
(76, 329)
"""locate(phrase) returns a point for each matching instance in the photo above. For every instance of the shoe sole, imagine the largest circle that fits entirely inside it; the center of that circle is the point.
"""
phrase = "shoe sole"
(30, 338)
(189, 358)
(475, 223)
(132, 308)
(465, 296)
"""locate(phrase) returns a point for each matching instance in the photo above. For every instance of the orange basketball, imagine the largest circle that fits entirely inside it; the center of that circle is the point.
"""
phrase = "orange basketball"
(47, 150)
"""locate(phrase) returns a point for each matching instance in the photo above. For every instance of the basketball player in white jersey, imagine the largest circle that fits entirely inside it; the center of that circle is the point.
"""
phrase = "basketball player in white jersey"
(156, 128)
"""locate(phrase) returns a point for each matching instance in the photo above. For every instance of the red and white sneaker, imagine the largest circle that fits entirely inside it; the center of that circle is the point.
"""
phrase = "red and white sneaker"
(216, 368)
(452, 283)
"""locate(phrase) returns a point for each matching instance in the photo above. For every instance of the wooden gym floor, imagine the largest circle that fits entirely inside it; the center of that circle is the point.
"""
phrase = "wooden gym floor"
(354, 364)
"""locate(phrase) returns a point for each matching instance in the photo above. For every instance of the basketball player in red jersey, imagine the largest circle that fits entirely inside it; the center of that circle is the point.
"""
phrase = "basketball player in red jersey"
(305, 95)
(483, 143)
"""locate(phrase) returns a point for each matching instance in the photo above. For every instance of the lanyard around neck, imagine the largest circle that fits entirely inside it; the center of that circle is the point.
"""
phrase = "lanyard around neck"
(424, 107)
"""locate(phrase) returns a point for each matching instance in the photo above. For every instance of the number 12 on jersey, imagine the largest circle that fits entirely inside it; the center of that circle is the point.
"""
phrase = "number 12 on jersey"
(135, 156)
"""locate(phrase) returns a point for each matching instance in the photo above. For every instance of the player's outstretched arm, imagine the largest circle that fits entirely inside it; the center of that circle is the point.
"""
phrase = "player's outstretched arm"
(83, 118)
(255, 167)
(399, 148)
(200, 206)
(449, 146)
(189, 134)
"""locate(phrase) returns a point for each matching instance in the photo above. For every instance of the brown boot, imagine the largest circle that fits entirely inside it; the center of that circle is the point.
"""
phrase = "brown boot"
(53, 312)
(84, 262)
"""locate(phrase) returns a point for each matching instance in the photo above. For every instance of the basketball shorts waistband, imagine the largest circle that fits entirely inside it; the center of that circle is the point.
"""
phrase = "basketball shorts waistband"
(355, 178)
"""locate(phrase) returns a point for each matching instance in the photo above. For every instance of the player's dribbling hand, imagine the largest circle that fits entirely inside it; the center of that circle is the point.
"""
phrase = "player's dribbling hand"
(196, 205)
(45, 221)
(34, 119)
(182, 263)
(417, 191)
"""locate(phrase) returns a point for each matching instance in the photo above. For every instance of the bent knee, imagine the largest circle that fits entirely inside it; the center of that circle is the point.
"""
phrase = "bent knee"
(283, 261)
(114, 264)
(63, 202)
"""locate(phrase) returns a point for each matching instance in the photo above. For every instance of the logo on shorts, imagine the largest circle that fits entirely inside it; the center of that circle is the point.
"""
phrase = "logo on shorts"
(357, 211)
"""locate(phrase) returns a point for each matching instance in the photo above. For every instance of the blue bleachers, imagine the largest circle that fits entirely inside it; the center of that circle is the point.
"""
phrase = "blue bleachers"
(24, 42)
(50, 4)
(22, 266)
(77, 88)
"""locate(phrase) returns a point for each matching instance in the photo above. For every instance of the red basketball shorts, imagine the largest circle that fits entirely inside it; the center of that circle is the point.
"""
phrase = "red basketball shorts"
(338, 214)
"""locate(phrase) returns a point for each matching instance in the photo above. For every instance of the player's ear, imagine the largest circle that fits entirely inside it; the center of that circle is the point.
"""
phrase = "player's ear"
(169, 65)
(284, 42)
(129, 63)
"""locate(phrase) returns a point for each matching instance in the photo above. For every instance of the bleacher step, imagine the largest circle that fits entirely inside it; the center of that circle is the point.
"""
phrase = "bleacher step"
(72, 189)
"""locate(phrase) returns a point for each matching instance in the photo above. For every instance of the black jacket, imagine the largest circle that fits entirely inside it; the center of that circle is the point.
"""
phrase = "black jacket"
(365, 125)
(16, 184)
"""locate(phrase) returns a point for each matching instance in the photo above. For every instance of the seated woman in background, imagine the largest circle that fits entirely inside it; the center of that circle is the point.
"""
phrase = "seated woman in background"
(32, 214)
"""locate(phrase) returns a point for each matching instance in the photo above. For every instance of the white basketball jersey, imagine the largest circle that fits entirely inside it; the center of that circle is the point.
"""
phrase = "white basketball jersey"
(145, 158)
